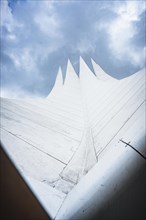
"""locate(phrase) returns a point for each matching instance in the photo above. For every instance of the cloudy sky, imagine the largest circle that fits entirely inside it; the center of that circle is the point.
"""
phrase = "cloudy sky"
(38, 36)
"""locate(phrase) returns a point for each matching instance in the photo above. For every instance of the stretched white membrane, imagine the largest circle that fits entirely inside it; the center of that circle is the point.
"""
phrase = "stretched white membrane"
(78, 139)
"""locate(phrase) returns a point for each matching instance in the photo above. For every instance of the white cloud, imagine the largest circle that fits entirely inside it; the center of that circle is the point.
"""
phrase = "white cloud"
(85, 46)
(8, 21)
(130, 10)
(24, 59)
(6, 16)
(15, 59)
(122, 30)
(47, 20)
(29, 46)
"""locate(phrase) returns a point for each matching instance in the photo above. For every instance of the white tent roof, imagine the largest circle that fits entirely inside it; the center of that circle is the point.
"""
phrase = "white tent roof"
(58, 141)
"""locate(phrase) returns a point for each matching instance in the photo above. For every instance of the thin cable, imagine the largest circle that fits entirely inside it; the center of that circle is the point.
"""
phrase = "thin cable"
(133, 148)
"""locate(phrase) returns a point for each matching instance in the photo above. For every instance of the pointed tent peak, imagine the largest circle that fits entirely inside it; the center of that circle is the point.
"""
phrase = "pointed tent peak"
(82, 61)
(70, 73)
(70, 66)
(58, 83)
(100, 72)
(84, 69)
(59, 78)
(83, 65)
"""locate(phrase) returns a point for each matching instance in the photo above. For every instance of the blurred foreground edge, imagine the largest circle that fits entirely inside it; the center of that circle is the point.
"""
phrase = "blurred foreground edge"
(16, 199)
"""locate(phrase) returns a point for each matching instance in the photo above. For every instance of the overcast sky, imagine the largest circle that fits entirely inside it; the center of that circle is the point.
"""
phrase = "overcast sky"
(38, 36)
